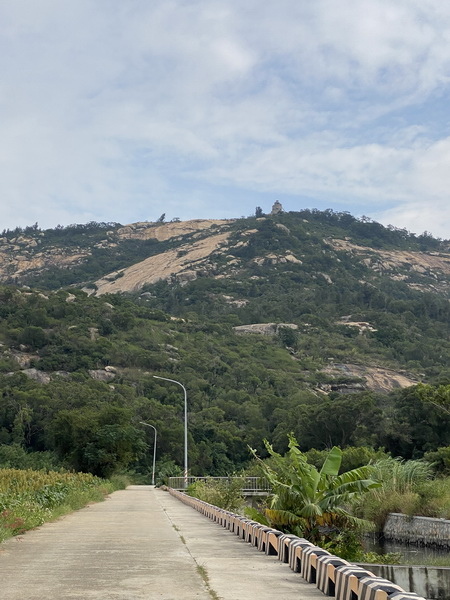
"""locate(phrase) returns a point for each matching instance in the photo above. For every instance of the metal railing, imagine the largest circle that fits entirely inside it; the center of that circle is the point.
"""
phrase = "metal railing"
(251, 486)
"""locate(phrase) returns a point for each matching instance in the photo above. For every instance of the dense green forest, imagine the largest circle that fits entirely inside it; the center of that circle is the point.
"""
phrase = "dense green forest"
(61, 406)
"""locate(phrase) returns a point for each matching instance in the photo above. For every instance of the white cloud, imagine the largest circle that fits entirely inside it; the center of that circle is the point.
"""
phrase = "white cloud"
(418, 218)
(110, 109)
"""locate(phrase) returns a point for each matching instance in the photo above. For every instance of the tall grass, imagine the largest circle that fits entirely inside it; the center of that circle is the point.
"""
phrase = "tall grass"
(30, 498)
(408, 487)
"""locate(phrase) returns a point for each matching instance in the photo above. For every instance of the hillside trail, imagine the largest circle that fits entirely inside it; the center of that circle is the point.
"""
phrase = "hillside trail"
(141, 543)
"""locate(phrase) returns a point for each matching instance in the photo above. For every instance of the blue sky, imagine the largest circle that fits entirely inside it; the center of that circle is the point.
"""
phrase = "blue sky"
(120, 110)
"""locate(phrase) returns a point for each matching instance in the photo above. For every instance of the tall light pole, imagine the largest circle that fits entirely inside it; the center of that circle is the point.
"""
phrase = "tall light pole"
(185, 426)
(154, 449)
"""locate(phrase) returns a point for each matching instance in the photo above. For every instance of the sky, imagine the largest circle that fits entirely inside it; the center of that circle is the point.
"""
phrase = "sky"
(122, 110)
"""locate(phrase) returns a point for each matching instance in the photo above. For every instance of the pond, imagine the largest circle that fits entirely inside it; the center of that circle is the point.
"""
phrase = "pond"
(410, 553)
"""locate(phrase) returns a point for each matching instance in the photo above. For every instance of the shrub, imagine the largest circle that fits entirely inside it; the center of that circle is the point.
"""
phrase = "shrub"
(225, 493)
(440, 460)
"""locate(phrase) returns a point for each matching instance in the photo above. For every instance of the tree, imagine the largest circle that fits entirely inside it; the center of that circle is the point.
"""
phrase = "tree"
(162, 218)
(440, 460)
(100, 442)
(310, 502)
(258, 212)
(421, 421)
(438, 396)
(34, 337)
(287, 336)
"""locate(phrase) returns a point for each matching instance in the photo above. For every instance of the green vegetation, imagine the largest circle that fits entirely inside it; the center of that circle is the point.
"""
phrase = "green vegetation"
(408, 487)
(241, 389)
(226, 493)
(30, 498)
(76, 371)
(438, 396)
(333, 507)
(312, 503)
(201, 570)
(333, 510)
(60, 407)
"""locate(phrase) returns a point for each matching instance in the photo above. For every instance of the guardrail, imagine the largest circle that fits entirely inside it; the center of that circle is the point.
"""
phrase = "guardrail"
(332, 575)
(251, 486)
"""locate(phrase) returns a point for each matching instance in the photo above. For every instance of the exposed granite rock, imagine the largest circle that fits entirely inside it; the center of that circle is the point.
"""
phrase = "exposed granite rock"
(363, 326)
(378, 379)
(166, 231)
(23, 359)
(402, 265)
(40, 376)
(183, 263)
(263, 328)
(101, 374)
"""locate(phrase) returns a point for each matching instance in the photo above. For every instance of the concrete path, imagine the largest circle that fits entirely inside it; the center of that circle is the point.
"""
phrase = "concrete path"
(141, 543)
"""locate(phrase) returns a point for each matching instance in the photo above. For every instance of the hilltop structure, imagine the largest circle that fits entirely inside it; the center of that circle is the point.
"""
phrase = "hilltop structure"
(277, 208)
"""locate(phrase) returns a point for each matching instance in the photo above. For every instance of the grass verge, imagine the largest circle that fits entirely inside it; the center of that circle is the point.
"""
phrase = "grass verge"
(30, 498)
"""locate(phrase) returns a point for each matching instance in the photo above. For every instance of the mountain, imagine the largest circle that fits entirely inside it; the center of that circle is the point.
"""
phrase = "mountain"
(274, 323)
(143, 253)
(324, 271)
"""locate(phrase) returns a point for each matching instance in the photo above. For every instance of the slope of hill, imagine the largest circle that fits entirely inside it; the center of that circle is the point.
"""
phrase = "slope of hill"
(67, 254)
(218, 248)
(183, 262)
(272, 324)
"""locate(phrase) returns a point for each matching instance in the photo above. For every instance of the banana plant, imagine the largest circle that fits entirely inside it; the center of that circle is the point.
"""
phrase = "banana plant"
(307, 501)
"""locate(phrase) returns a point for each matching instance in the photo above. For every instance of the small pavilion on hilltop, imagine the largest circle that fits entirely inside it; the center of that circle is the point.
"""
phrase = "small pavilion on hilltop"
(277, 208)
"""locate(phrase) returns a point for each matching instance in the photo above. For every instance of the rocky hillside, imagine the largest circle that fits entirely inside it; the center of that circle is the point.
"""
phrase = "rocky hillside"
(76, 374)
(425, 271)
(312, 322)
(182, 251)
(183, 263)
(31, 253)
(383, 292)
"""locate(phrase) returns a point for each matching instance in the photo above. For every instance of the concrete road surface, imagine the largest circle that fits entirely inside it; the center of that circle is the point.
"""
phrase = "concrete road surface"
(141, 543)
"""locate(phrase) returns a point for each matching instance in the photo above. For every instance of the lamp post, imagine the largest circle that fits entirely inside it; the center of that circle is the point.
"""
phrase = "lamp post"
(185, 426)
(154, 449)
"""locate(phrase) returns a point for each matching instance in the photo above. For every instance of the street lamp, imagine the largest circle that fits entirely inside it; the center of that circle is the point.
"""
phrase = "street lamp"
(185, 426)
(154, 449)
